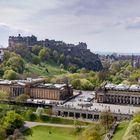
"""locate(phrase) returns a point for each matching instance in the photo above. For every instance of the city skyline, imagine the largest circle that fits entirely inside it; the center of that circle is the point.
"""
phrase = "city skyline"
(106, 26)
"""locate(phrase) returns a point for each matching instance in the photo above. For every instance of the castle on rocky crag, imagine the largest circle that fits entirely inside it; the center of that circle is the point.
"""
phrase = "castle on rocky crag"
(29, 41)
(80, 51)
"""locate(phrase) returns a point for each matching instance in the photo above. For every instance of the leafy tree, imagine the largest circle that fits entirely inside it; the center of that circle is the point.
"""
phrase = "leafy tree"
(16, 63)
(10, 75)
(72, 69)
(36, 49)
(135, 76)
(22, 50)
(35, 59)
(55, 55)
(4, 95)
(76, 83)
(115, 67)
(12, 121)
(68, 58)
(30, 116)
(106, 118)
(131, 137)
(2, 133)
(1, 72)
(62, 58)
(22, 98)
(17, 135)
(61, 66)
(86, 84)
(6, 55)
(83, 70)
(91, 73)
(44, 54)
(117, 79)
(39, 111)
(93, 132)
(103, 75)
(135, 130)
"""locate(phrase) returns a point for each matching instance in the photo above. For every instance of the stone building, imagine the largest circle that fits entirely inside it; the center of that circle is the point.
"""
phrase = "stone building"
(51, 91)
(119, 94)
(27, 40)
(36, 89)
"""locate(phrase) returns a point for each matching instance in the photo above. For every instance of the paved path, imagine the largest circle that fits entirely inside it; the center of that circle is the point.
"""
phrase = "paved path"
(32, 124)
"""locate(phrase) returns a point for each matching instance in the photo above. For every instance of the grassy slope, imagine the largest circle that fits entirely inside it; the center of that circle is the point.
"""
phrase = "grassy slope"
(120, 130)
(53, 69)
(42, 133)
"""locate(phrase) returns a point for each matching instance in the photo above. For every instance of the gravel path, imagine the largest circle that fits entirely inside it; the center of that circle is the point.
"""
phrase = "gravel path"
(32, 124)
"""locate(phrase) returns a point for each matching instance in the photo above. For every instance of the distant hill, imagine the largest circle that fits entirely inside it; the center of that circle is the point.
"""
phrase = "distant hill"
(69, 54)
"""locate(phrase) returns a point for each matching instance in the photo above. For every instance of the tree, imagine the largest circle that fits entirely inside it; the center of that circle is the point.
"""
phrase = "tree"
(103, 75)
(131, 137)
(30, 116)
(62, 58)
(22, 98)
(93, 132)
(86, 84)
(55, 55)
(12, 121)
(76, 83)
(135, 130)
(39, 111)
(1, 72)
(68, 58)
(10, 75)
(17, 135)
(115, 67)
(72, 69)
(22, 50)
(4, 95)
(44, 54)
(106, 118)
(35, 59)
(83, 70)
(135, 76)
(49, 112)
(61, 66)
(6, 55)
(16, 63)
(78, 125)
(2, 133)
(36, 49)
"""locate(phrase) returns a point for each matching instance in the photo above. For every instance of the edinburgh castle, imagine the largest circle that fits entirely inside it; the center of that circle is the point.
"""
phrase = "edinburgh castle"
(87, 59)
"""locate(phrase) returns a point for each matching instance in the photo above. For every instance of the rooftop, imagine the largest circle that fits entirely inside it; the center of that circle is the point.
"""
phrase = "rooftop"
(39, 82)
(27, 81)
(124, 87)
(50, 85)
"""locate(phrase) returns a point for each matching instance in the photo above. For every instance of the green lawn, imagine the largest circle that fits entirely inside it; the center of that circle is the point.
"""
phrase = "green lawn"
(52, 133)
(120, 130)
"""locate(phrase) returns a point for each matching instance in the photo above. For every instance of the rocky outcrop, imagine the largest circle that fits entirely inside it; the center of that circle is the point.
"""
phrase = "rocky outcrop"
(79, 53)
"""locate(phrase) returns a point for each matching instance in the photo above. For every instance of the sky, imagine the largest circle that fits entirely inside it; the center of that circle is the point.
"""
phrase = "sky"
(105, 25)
